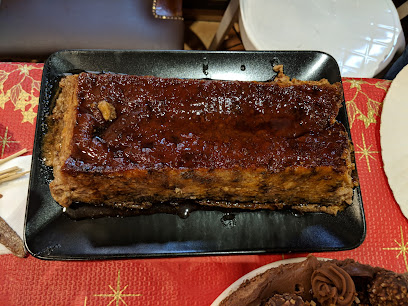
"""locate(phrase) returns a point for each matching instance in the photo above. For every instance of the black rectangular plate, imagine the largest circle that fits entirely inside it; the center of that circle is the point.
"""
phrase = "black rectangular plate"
(51, 234)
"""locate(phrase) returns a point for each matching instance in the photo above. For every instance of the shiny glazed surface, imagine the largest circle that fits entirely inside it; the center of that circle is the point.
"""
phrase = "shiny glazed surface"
(193, 124)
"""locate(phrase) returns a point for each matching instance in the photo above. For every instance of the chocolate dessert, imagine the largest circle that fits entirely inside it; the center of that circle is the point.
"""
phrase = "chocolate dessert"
(133, 141)
(317, 282)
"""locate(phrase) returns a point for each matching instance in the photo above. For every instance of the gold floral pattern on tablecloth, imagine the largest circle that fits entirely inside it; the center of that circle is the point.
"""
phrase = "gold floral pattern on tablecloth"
(19, 93)
(364, 99)
(20, 85)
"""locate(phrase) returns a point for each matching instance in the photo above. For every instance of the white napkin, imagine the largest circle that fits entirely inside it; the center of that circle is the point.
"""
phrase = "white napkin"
(14, 200)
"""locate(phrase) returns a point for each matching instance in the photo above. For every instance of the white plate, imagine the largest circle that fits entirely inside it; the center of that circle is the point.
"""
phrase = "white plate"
(254, 273)
(14, 200)
(362, 35)
(394, 142)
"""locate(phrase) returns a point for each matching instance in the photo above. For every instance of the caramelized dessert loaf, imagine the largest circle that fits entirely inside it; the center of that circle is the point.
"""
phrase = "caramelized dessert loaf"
(132, 141)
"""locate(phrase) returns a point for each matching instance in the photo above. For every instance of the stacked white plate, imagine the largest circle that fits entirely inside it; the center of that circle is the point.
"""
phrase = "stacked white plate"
(362, 35)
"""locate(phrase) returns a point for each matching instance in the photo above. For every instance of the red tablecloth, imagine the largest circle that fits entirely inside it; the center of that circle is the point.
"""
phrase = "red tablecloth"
(187, 280)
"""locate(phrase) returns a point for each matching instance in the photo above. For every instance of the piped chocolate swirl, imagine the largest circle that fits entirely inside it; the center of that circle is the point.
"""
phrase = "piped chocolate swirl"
(322, 283)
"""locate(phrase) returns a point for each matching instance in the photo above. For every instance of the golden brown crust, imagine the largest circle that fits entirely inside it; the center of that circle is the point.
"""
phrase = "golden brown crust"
(58, 141)
(285, 80)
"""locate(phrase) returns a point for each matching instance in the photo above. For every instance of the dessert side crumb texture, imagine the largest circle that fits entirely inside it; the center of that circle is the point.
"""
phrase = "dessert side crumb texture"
(316, 282)
(259, 145)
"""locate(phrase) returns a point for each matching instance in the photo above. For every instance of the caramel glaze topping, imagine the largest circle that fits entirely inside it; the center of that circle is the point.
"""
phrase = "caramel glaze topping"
(190, 124)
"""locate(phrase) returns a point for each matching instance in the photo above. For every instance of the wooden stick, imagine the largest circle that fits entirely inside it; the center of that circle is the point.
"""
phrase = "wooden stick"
(9, 174)
(11, 240)
(2, 161)
(8, 237)
(12, 177)
(12, 169)
(403, 10)
(227, 21)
